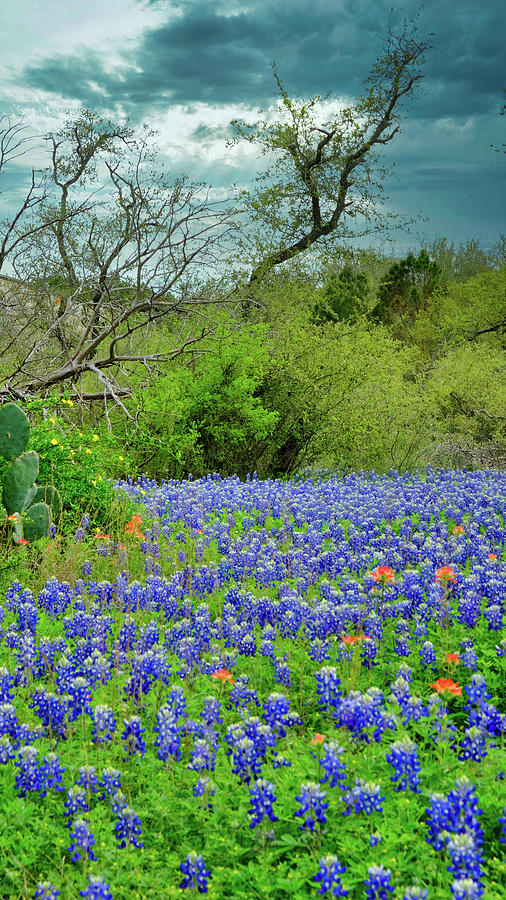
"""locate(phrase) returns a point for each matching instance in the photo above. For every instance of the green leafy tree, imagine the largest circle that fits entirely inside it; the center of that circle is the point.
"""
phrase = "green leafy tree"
(207, 417)
(326, 180)
(404, 290)
(343, 298)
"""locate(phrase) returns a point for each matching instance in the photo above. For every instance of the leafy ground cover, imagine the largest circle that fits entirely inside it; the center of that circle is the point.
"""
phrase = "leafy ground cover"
(264, 689)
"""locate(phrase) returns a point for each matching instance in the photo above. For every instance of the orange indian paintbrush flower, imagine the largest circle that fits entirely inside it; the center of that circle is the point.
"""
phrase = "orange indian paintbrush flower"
(446, 685)
(383, 574)
(222, 675)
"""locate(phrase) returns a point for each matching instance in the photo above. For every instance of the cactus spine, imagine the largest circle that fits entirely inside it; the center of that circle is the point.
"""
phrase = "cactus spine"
(28, 507)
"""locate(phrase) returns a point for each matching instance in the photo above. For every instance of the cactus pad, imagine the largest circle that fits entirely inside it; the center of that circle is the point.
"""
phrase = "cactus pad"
(14, 431)
(37, 522)
(48, 494)
(18, 485)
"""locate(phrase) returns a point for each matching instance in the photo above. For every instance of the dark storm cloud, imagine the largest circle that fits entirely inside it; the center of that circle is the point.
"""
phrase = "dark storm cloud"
(210, 56)
(216, 52)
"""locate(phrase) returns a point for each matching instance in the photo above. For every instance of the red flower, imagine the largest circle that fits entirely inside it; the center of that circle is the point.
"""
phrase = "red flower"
(23, 541)
(318, 738)
(492, 556)
(443, 685)
(459, 529)
(383, 574)
(350, 639)
(452, 657)
(445, 574)
(132, 527)
(222, 675)
(102, 537)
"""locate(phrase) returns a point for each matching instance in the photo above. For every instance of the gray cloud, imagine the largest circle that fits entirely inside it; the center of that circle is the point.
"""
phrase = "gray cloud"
(219, 52)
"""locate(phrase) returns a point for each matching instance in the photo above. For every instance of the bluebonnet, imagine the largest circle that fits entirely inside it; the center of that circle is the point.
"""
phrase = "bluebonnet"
(378, 884)
(8, 720)
(46, 891)
(502, 821)
(327, 686)
(118, 802)
(375, 839)
(31, 776)
(169, 731)
(282, 672)
(364, 796)
(246, 757)
(6, 750)
(147, 667)
(212, 711)
(195, 872)
(261, 799)
(76, 802)
(276, 708)
(6, 686)
(402, 647)
(204, 788)
(110, 782)
(96, 889)
(415, 893)
(427, 654)
(368, 653)
(81, 841)
(319, 650)
(127, 828)
(403, 756)
(203, 756)
(79, 690)
(104, 724)
(465, 855)
(333, 766)
(329, 876)
(87, 779)
(51, 710)
(132, 736)
(359, 712)
(466, 889)
(474, 744)
(494, 616)
(53, 772)
(312, 807)
(456, 813)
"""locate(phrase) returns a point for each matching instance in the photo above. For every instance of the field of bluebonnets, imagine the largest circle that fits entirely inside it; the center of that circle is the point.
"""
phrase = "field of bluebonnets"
(264, 689)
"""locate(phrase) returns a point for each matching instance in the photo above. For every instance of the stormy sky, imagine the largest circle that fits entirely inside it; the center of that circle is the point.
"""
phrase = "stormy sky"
(187, 68)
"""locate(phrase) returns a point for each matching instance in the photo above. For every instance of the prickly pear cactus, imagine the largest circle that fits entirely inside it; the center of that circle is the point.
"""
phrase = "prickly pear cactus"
(28, 508)
(19, 487)
(37, 522)
(48, 494)
(14, 431)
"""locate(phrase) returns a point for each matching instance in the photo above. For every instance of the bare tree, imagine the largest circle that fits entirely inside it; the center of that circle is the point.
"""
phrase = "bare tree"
(113, 247)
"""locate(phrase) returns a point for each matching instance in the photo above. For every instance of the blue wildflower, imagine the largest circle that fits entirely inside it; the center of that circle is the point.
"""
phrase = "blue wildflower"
(329, 876)
(195, 872)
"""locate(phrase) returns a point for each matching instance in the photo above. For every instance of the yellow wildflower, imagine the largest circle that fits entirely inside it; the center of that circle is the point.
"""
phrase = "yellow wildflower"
(87, 450)
(54, 442)
(95, 437)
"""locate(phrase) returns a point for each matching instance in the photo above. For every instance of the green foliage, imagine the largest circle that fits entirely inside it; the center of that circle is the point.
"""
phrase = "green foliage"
(206, 418)
(344, 297)
(404, 290)
(76, 465)
(466, 260)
